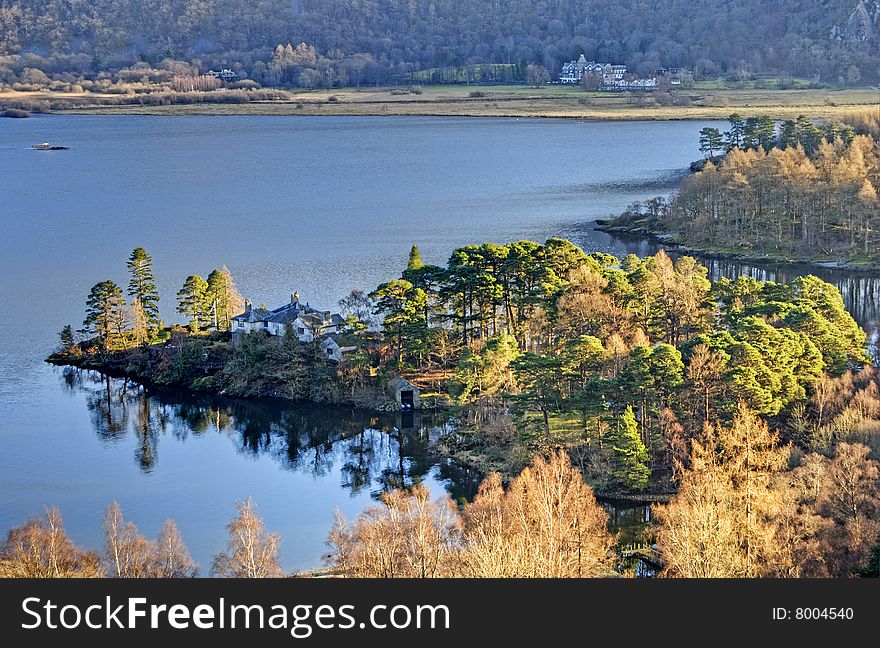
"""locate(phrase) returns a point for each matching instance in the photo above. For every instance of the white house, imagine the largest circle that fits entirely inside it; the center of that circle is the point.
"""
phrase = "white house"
(573, 71)
(308, 323)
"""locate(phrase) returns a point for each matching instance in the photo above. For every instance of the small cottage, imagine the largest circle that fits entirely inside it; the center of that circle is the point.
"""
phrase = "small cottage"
(332, 346)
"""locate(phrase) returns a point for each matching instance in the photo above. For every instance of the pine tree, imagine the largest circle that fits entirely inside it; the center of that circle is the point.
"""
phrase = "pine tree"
(629, 454)
(142, 285)
(105, 312)
(192, 301)
(67, 339)
(788, 134)
(415, 259)
(734, 136)
(710, 142)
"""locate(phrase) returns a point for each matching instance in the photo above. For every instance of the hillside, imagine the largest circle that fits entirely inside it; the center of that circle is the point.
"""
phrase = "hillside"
(353, 42)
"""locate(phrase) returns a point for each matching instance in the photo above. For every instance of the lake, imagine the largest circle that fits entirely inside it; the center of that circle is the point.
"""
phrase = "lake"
(315, 205)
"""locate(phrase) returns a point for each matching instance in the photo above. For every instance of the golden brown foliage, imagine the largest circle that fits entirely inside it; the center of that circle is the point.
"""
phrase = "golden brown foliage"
(784, 201)
(252, 552)
(727, 521)
(546, 524)
(407, 536)
(41, 548)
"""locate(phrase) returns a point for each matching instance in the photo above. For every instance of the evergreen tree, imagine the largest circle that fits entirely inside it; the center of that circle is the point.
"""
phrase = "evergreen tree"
(808, 135)
(734, 137)
(629, 455)
(105, 312)
(415, 259)
(539, 387)
(403, 306)
(788, 134)
(192, 301)
(710, 142)
(142, 285)
(67, 339)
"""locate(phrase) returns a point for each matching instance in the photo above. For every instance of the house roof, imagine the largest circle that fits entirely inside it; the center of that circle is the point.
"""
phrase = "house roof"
(399, 383)
(286, 314)
(289, 313)
(252, 315)
(330, 341)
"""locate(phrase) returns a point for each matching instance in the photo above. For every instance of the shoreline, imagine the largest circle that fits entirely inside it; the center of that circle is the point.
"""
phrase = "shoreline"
(670, 242)
(471, 461)
(685, 104)
(116, 365)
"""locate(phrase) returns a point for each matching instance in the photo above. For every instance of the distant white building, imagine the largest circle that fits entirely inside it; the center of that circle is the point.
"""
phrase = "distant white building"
(607, 76)
(307, 323)
(225, 74)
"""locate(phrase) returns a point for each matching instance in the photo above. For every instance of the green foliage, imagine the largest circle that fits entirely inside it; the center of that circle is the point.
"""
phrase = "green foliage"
(415, 260)
(487, 372)
(402, 306)
(222, 298)
(67, 339)
(193, 301)
(105, 313)
(142, 285)
(189, 363)
(711, 141)
(539, 388)
(629, 454)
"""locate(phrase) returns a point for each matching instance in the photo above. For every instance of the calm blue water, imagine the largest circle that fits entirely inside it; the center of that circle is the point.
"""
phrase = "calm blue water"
(318, 205)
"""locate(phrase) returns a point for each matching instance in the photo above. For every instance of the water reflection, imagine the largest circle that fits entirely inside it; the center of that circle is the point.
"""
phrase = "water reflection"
(374, 452)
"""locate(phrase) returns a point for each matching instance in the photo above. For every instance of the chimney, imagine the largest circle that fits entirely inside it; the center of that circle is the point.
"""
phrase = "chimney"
(294, 298)
(248, 305)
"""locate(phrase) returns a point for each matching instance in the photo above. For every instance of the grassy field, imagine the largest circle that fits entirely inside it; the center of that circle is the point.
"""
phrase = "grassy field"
(503, 101)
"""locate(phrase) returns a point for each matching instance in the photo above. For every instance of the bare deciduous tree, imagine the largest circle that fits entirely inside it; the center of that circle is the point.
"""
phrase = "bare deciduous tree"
(547, 524)
(252, 552)
(172, 558)
(729, 519)
(127, 553)
(407, 536)
(41, 548)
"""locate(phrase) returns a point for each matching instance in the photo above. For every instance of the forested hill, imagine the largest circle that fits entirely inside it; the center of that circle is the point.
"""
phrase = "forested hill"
(826, 40)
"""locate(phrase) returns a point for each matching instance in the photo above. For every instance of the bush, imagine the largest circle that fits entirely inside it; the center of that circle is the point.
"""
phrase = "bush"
(15, 113)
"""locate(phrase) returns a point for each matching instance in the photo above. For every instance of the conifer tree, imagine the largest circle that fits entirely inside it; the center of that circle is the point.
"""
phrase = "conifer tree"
(105, 312)
(67, 339)
(710, 142)
(629, 454)
(192, 301)
(142, 285)
(415, 259)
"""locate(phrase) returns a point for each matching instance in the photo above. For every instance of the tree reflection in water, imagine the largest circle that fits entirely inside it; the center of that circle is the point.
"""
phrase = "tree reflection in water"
(374, 451)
